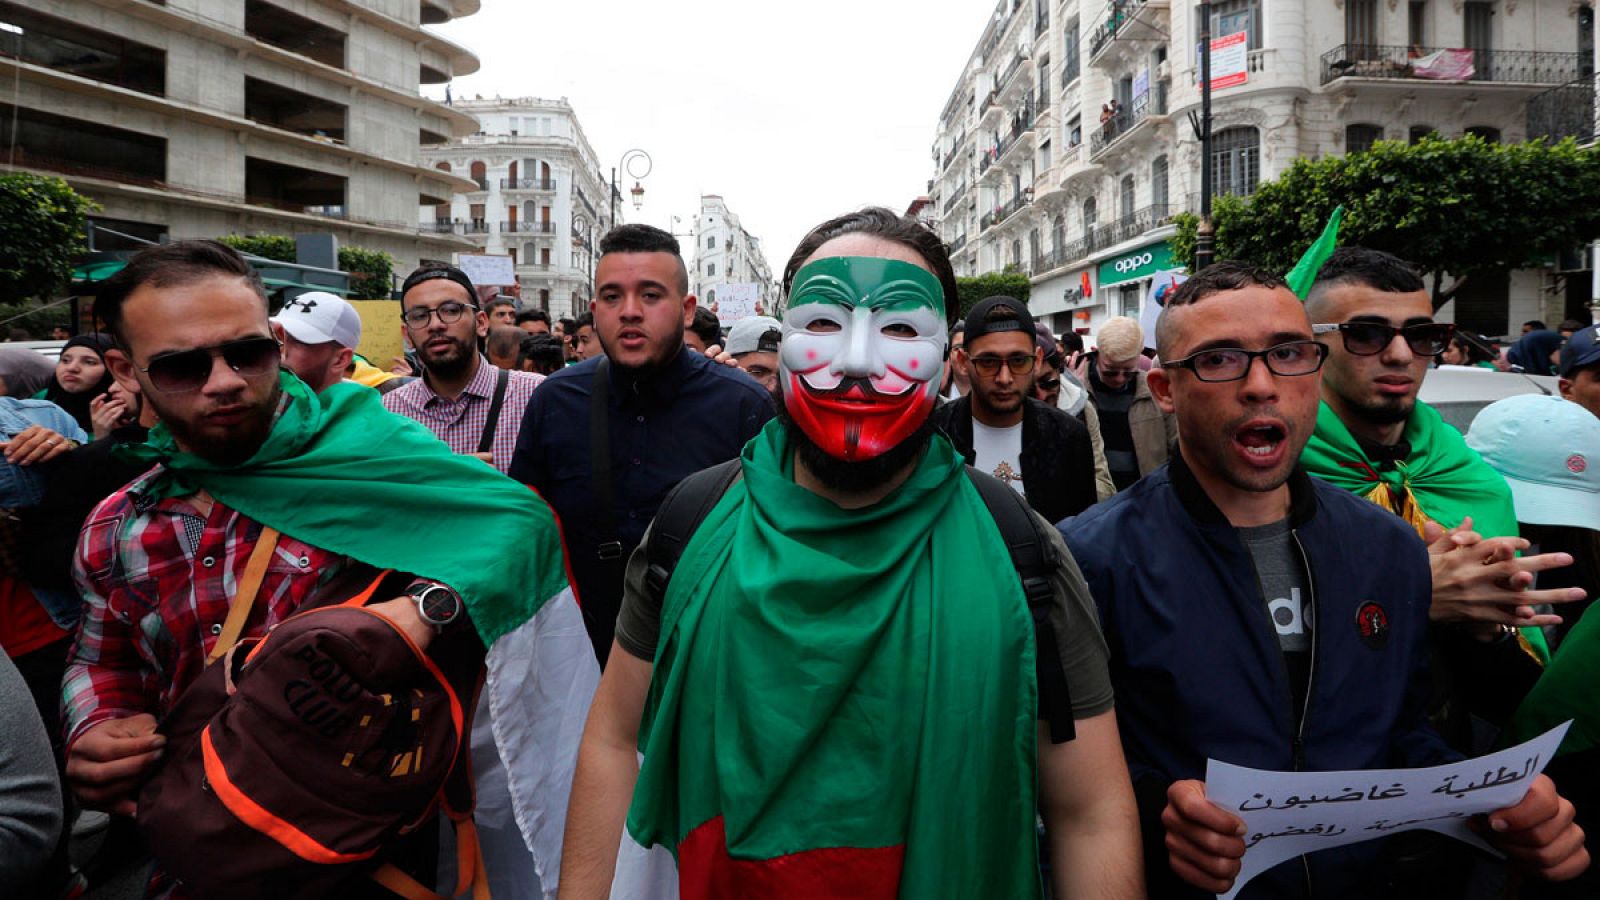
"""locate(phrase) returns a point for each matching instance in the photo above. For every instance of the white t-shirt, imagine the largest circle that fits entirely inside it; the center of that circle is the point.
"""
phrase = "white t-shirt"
(998, 451)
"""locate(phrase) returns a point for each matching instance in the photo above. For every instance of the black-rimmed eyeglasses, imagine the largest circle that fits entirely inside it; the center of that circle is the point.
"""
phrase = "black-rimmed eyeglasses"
(448, 313)
(1370, 338)
(1233, 363)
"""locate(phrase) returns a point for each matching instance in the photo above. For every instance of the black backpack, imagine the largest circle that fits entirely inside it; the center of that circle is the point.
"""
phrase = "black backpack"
(1032, 554)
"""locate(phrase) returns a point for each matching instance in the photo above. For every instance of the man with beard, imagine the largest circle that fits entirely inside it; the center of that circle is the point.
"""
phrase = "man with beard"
(1375, 439)
(1262, 617)
(1040, 451)
(247, 456)
(320, 333)
(837, 686)
(603, 441)
(465, 401)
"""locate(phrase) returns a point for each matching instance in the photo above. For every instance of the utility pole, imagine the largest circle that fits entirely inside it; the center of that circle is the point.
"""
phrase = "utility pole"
(1205, 235)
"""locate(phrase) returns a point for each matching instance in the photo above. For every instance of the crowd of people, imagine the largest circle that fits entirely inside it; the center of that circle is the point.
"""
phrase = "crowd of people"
(879, 598)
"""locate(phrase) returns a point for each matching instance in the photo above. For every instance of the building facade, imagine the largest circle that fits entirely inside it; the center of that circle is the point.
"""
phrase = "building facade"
(200, 118)
(725, 253)
(1065, 149)
(538, 195)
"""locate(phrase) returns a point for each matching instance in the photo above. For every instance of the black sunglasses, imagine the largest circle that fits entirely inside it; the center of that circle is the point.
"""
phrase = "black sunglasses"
(1370, 338)
(183, 371)
(989, 366)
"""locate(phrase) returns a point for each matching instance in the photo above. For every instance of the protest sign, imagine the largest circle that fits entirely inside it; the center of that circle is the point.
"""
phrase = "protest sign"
(1287, 814)
(1155, 299)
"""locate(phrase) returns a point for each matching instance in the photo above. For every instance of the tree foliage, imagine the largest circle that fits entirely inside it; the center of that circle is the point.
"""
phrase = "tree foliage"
(42, 234)
(1461, 206)
(1008, 283)
(371, 271)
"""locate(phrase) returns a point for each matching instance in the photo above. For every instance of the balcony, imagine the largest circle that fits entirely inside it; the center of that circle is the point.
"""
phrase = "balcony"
(1126, 121)
(67, 47)
(1005, 211)
(442, 226)
(957, 245)
(1004, 80)
(1126, 228)
(955, 197)
(1563, 112)
(527, 184)
(1454, 65)
(271, 24)
(529, 227)
(1021, 124)
(274, 105)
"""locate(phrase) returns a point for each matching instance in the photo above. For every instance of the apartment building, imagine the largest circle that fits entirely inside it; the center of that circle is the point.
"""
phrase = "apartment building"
(725, 253)
(537, 195)
(1065, 148)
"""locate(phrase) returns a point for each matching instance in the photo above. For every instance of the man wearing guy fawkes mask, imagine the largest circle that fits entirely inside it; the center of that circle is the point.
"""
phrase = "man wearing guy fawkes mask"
(839, 629)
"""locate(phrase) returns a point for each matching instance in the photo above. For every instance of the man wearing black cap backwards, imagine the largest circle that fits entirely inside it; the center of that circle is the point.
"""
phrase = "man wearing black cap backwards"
(1042, 452)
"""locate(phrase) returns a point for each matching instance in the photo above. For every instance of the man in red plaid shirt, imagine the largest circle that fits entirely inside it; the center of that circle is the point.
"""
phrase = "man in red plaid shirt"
(455, 394)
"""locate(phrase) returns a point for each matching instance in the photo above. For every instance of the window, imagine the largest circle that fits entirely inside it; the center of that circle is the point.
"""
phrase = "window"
(1069, 52)
(1418, 132)
(1361, 26)
(1034, 251)
(711, 270)
(1477, 20)
(1233, 16)
(1236, 160)
(1074, 132)
(1044, 156)
(1126, 191)
(1585, 42)
(711, 242)
(1058, 232)
(1158, 186)
(1360, 138)
(1128, 299)
(1417, 23)
(1090, 214)
(1489, 134)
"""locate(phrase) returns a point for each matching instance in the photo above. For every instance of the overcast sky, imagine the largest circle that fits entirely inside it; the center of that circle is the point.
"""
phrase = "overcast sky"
(793, 112)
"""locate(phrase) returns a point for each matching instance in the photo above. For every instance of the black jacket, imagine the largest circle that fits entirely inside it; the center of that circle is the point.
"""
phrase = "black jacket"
(1057, 458)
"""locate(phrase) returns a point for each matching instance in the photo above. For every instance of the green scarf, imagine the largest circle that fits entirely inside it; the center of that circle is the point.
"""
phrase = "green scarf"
(1566, 690)
(851, 679)
(340, 472)
(1443, 480)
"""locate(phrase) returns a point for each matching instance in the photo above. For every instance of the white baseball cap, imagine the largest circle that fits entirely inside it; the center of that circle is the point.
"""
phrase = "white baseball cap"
(1548, 450)
(753, 333)
(317, 317)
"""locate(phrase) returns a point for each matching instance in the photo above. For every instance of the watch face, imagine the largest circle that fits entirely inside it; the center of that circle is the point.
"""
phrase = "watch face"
(438, 605)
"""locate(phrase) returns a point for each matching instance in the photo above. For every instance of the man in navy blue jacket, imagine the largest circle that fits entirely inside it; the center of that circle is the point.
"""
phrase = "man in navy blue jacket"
(1261, 617)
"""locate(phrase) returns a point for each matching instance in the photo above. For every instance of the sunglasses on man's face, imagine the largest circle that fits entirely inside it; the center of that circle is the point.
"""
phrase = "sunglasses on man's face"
(183, 371)
(988, 365)
(1372, 338)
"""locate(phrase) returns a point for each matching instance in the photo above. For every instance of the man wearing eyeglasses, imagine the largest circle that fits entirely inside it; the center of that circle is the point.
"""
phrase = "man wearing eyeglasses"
(461, 397)
(1040, 451)
(1375, 439)
(1259, 616)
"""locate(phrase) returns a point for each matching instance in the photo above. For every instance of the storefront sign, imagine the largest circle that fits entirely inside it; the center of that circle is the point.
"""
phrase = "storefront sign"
(1137, 264)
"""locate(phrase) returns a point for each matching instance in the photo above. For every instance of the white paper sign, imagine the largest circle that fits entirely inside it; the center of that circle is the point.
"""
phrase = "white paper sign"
(487, 269)
(736, 300)
(1287, 814)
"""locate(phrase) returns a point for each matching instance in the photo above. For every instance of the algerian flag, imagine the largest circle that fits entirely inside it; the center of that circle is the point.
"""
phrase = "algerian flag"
(1304, 273)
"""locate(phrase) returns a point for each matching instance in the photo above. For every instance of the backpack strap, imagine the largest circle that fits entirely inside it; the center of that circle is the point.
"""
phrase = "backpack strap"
(681, 513)
(255, 571)
(486, 442)
(605, 490)
(1033, 556)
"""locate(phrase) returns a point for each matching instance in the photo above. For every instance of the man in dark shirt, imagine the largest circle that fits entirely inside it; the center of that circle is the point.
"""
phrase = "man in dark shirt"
(668, 414)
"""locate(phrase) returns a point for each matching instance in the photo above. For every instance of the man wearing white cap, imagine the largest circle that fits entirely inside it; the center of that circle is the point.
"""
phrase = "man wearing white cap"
(320, 333)
(753, 344)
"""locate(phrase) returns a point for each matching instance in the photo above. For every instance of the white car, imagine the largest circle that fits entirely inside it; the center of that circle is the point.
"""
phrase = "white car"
(50, 349)
(1459, 392)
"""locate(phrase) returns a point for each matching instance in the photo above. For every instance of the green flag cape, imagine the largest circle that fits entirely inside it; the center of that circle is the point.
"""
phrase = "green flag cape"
(1443, 480)
(1566, 690)
(340, 472)
(1304, 273)
(843, 701)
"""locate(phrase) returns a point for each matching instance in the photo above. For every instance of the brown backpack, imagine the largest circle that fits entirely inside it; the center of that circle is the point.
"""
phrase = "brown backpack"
(295, 764)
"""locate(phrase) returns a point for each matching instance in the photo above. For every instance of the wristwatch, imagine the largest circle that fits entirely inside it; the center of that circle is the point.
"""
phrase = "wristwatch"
(437, 604)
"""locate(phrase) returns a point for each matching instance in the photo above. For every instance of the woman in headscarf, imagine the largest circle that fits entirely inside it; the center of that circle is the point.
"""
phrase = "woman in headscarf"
(81, 376)
(23, 372)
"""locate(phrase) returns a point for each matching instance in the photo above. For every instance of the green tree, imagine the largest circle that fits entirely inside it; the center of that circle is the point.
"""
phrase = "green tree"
(42, 235)
(1453, 208)
(371, 271)
(1009, 283)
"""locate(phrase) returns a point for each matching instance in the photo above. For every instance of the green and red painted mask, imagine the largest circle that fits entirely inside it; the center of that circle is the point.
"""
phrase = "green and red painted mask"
(863, 352)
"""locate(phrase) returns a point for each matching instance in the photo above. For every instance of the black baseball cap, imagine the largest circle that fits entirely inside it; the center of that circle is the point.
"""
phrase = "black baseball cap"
(978, 323)
(1582, 349)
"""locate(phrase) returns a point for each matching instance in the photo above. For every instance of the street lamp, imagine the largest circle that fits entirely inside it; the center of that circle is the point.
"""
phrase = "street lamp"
(626, 165)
